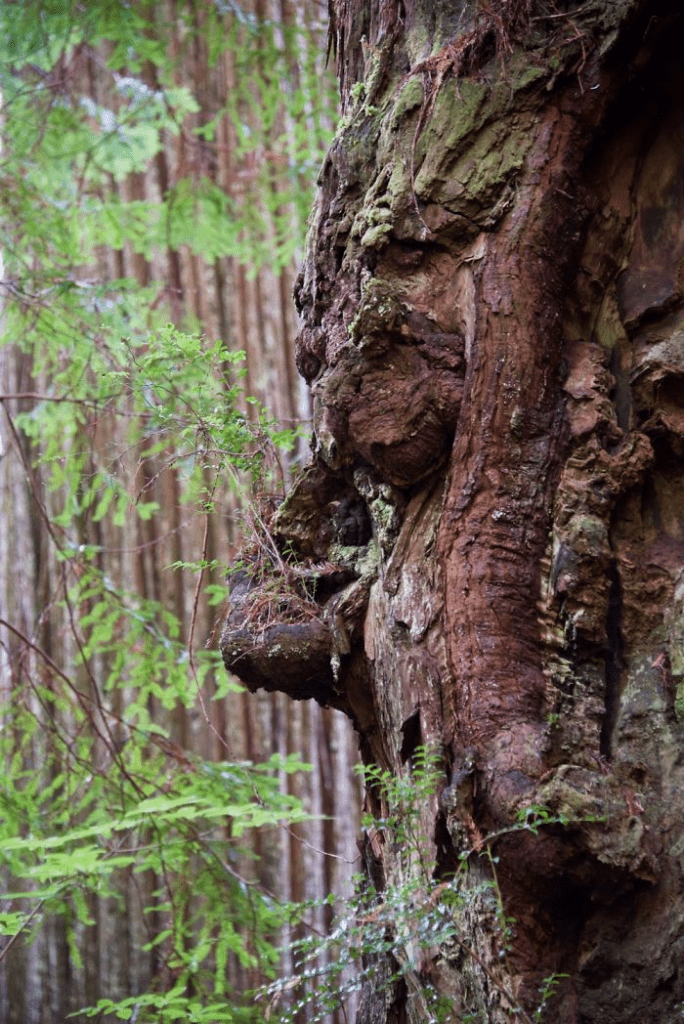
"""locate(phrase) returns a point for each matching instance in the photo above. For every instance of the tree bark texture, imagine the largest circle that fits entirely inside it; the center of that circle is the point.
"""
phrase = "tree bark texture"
(493, 517)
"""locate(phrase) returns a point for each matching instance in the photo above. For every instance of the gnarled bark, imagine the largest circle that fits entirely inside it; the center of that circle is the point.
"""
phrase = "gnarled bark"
(492, 308)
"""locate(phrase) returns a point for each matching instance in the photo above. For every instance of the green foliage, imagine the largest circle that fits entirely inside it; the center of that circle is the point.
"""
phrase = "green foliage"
(144, 811)
(67, 153)
(99, 799)
(116, 798)
(537, 816)
(412, 914)
(419, 911)
(403, 799)
(547, 990)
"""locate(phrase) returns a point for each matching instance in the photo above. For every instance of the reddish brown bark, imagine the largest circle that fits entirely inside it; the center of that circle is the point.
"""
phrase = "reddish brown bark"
(491, 309)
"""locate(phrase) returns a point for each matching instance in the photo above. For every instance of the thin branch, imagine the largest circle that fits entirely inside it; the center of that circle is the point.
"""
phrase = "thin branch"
(39, 906)
(37, 396)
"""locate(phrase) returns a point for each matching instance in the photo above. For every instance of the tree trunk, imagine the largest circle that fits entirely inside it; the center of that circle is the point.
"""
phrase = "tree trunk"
(492, 523)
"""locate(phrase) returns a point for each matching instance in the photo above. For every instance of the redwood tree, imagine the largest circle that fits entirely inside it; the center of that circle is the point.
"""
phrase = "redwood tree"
(485, 555)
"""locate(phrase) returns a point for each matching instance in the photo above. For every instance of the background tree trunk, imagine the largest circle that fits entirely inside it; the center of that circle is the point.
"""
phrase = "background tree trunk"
(492, 332)
(250, 308)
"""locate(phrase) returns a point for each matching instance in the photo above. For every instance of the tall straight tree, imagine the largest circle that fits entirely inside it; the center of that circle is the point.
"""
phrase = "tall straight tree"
(492, 330)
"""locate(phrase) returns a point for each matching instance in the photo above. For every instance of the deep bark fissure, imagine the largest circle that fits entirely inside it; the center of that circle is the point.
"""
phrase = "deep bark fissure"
(614, 660)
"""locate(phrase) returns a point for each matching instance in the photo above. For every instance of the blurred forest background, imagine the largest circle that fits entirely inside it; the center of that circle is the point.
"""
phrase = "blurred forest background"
(157, 171)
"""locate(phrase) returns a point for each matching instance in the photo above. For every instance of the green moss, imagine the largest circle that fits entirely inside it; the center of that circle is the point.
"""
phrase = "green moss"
(384, 512)
(418, 41)
(378, 215)
(675, 646)
(363, 561)
(373, 224)
(494, 162)
(679, 702)
(521, 72)
(357, 92)
(376, 237)
(463, 159)
(530, 75)
(378, 309)
(410, 97)
(457, 112)
(357, 134)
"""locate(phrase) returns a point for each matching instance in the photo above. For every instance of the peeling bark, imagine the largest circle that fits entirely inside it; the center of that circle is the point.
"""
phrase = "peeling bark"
(493, 332)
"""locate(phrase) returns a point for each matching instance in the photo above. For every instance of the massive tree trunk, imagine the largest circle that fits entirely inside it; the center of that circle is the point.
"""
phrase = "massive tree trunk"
(492, 523)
